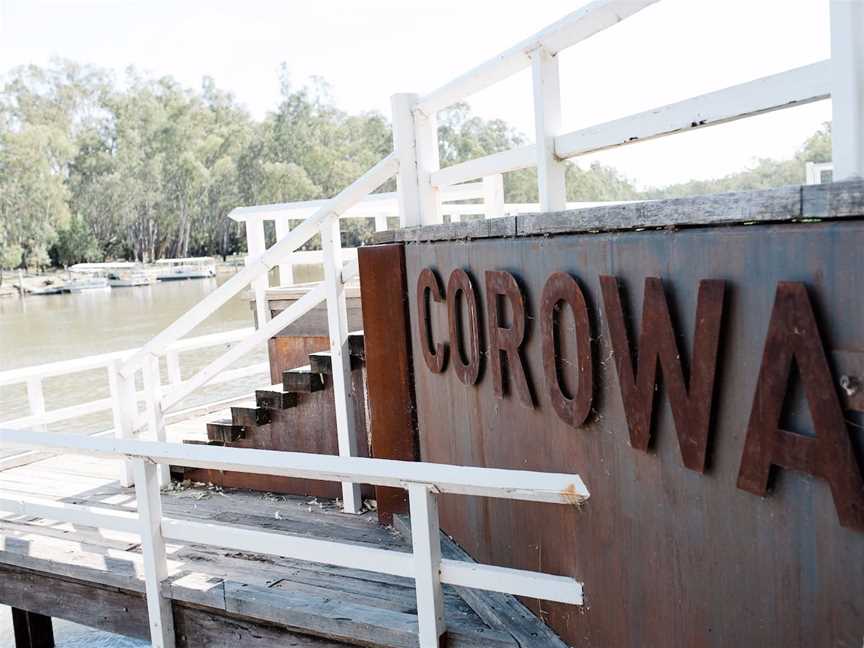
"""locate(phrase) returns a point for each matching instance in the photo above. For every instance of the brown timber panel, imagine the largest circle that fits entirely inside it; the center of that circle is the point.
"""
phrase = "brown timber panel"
(393, 425)
(669, 556)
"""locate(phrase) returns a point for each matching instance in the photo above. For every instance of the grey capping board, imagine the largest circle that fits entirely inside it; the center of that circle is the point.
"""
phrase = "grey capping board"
(784, 204)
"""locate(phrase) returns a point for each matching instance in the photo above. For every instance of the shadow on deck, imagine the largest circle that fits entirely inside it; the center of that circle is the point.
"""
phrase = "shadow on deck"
(222, 597)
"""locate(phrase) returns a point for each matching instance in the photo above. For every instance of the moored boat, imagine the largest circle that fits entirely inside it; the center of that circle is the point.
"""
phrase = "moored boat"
(126, 275)
(187, 268)
(47, 289)
(87, 277)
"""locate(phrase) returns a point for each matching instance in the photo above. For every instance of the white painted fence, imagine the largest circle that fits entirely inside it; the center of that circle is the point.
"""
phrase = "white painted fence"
(423, 481)
(34, 378)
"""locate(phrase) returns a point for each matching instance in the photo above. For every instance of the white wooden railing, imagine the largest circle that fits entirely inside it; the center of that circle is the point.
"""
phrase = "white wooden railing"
(324, 220)
(415, 133)
(426, 192)
(380, 207)
(424, 482)
(39, 416)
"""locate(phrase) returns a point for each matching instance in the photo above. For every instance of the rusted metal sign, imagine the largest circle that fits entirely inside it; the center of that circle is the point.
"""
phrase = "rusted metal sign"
(793, 335)
(704, 382)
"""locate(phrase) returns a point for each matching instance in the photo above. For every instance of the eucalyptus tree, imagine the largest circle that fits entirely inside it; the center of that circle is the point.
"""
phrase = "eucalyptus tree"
(95, 166)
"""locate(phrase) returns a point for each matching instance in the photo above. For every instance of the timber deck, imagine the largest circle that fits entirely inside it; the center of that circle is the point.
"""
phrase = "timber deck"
(222, 597)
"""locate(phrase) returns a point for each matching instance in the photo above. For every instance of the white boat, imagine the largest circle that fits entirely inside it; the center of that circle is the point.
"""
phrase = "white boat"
(86, 277)
(86, 284)
(47, 289)
(126, 275)
(188, 268)
(129, 280)
(98, 276)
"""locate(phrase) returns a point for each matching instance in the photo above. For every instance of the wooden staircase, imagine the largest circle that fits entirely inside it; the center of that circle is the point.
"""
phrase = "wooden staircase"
(296, 416)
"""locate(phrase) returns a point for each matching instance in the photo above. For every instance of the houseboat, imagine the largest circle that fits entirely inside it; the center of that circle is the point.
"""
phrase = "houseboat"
(187, 268)
(126, 275)
(87, 277)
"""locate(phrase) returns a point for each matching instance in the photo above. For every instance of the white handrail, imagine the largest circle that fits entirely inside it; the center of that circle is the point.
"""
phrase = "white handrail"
(34, 376)
(105, 404)
(514, 159)
(788, 89)
(573, 28)
(102, 360)
(372, 205)
(157, 400)
(424, 482)
(776, 92)
(554, 488)
(296, 310)
(368, 182)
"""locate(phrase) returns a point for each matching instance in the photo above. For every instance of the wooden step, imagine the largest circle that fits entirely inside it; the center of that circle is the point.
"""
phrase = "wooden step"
(202, 442)
(302, 379)
(275, 399)
(250, 416)
(321, 362)
(180, 473)
(357, 345)
(225, 431)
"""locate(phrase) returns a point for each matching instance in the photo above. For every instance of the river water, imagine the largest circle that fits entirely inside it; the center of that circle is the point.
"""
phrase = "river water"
(41, 329)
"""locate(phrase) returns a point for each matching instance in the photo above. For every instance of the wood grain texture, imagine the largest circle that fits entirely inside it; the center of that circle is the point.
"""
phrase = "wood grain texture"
(220, 597)
(783, 204)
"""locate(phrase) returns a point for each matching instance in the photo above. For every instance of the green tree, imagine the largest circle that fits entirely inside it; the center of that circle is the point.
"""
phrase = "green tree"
(76, 243)
(33, 194)
(151, 168)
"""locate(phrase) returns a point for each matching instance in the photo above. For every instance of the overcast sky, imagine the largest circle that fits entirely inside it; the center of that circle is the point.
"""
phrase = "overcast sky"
(369, 50)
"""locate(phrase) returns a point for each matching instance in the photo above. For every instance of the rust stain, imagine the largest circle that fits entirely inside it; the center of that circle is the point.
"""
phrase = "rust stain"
(573, 496)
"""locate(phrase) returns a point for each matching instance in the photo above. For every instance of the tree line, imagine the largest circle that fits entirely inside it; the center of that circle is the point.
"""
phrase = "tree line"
(93, 167)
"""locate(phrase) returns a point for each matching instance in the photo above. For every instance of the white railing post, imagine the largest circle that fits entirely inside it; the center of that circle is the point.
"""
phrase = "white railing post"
(847, 88)
(493, 195)
(256, 246)
(415, 142)
(426, 548)
(428, 162)
(124, 407)
(286, 268)
(172, 363)
(551, 171)
(337, 321)
(155, 416)
(36, 399)
(149, 499)
(404, 146)
(381, 222)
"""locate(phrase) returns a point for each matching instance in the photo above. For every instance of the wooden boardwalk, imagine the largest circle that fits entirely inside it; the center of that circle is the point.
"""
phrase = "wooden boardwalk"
(220, 597)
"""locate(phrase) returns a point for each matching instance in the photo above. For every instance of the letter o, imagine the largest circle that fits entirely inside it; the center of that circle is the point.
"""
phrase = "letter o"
(561, 287)
(466, 366)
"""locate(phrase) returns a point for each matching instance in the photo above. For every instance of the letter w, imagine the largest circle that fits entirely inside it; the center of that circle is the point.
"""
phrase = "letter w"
(690, 401)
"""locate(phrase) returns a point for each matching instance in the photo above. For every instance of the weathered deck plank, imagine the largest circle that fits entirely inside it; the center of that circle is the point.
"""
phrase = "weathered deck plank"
(95, 577)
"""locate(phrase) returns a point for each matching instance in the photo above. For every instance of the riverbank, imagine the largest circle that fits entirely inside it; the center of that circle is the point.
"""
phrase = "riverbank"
(13, 280)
